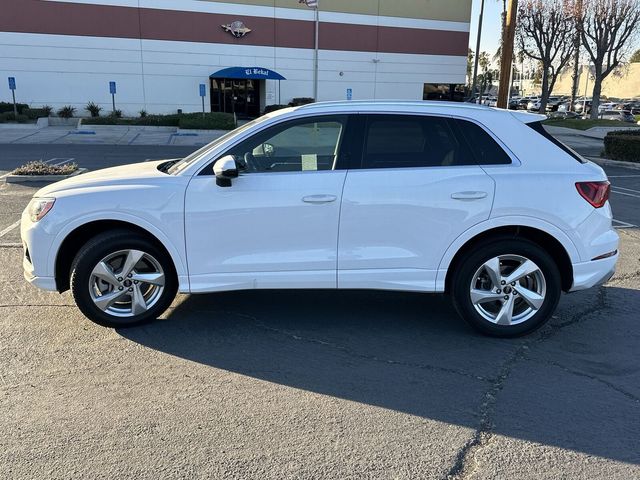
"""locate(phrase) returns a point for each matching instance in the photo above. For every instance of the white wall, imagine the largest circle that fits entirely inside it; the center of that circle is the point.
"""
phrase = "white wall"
(162, 76)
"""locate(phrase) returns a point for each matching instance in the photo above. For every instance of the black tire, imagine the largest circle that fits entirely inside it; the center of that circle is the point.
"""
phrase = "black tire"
(100, 247)
(481, 253)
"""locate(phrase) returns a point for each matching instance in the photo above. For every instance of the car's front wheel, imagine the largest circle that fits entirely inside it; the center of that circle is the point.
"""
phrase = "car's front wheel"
(120, 278)
(507, 287)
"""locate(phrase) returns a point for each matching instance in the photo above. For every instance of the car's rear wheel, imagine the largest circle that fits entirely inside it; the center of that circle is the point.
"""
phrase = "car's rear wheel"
(506, 287)
(121, 278)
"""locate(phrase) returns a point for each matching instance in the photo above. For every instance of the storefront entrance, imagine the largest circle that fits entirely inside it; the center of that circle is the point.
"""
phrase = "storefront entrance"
(239, 96)
(240, 90)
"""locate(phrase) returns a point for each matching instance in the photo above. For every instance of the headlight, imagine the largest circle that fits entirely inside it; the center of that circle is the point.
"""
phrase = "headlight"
(39, 207)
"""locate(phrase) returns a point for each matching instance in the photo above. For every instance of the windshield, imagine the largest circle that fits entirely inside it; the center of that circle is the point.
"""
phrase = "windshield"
(182, 164)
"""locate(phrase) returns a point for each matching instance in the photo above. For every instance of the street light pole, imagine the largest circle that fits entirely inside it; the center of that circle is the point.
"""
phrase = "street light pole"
(477, 55)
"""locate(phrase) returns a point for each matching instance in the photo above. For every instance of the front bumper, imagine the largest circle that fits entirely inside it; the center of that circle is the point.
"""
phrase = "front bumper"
(36, 242)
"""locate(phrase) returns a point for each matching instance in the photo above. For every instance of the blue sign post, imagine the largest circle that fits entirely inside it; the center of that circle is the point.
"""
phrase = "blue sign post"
(12, 87)
(112, 91)
(349, 93)
(203, 93)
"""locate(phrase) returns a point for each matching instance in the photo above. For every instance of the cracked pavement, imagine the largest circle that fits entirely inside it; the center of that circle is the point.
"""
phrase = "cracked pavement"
(326, 384)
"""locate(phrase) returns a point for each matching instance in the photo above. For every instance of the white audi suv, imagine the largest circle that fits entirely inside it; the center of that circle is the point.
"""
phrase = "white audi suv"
(472, 201)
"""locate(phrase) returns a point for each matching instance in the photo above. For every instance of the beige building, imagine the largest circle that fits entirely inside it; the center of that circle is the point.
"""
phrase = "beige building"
(624, 83)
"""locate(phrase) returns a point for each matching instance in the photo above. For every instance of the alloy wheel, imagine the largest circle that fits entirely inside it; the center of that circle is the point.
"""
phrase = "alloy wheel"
(126, 283)
(508, 289)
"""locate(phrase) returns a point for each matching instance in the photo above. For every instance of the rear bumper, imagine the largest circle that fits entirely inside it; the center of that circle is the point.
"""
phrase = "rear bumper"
(595, 272)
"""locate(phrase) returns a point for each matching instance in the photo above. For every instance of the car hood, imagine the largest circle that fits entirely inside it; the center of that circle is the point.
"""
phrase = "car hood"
(123, 175)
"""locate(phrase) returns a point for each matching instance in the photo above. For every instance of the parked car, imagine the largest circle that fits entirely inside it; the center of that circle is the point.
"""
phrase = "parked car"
(534, 105)
(514, 104)
(620, 115)
(523, 103)
(633, 107)
(553, 103)
(565, 115)
(582, 106)
(415, 196)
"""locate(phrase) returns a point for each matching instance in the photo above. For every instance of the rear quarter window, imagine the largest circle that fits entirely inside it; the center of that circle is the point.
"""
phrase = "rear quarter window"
(538, 127)
(482, 145)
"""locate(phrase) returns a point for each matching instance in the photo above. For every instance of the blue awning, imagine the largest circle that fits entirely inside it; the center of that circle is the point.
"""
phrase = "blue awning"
(254, 73)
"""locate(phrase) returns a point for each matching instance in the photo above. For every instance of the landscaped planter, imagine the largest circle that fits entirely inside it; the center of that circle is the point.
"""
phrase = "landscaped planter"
(41, 178)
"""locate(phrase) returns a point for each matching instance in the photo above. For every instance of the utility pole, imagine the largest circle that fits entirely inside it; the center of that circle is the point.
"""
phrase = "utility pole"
(577, 40)
(506, 59)
(477, 55)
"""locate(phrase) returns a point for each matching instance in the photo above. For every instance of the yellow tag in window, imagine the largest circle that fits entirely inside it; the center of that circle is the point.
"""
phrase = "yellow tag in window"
(310, 162)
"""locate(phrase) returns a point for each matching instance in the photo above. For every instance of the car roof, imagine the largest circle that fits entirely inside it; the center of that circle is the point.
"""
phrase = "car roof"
(463, 109)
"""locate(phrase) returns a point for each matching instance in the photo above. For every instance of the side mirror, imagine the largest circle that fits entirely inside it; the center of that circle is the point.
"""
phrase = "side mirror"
(225, 169)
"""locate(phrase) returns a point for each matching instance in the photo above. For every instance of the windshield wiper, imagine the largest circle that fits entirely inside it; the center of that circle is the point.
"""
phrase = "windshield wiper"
(164, 167)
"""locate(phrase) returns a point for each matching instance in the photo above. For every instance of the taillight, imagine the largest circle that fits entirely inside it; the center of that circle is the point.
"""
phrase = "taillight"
(596, 193)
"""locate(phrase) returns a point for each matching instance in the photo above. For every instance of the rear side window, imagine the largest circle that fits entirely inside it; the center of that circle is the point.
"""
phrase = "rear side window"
(485, 149)
(405, 141)
(537, 126)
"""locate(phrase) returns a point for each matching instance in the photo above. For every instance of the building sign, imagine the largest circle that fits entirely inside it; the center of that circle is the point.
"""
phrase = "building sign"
(256, 72)
(237, 29)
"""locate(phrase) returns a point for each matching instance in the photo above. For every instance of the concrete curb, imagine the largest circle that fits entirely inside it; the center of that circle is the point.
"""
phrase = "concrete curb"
(597, 133)
(42, 178)
(615, 163)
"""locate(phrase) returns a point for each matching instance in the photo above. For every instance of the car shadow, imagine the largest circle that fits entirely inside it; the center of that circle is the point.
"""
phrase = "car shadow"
(409, 353)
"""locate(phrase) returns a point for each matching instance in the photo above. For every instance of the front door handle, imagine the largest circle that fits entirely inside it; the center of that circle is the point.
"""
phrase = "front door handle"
(317, 199)
(468, 195)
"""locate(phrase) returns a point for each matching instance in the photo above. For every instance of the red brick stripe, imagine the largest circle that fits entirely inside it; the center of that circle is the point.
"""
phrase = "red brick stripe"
(35, 16)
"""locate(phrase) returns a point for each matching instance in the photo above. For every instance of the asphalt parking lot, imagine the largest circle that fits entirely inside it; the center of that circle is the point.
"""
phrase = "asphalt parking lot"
(297, 384)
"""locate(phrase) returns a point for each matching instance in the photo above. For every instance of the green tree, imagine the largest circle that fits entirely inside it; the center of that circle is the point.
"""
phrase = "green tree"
(635, 58)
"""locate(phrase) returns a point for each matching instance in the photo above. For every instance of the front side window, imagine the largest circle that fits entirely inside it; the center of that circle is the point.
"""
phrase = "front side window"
(405, 141)
(296, 146)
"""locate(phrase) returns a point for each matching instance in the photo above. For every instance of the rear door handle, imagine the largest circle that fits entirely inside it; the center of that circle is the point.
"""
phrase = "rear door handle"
(468, 195)
(317, 199)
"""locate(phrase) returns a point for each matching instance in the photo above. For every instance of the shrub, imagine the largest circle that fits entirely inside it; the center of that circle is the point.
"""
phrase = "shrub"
(67, 111)
(623, 145)
(210, 121)
(8, 107)
(35, 113)
(40, 168)
(93, 109)
(10, 117)
(116, 114)
(296, 102)
(273, 108)
(47, 109)
(142, 113)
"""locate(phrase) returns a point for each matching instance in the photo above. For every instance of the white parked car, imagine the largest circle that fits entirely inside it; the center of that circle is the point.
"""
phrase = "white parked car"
(459, 198)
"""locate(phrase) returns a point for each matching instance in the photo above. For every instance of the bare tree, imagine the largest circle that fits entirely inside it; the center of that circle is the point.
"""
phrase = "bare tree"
(545, 34)
(607, 27)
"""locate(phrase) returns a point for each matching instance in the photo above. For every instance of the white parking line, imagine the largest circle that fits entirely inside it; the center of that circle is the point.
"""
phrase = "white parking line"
(622, 224)
(9, 228)
(624, 188)
(624, 193)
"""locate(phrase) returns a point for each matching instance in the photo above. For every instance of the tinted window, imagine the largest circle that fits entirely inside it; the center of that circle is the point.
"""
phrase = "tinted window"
(485, 149)
(537, 126)
(396, 141)
(302, 145)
